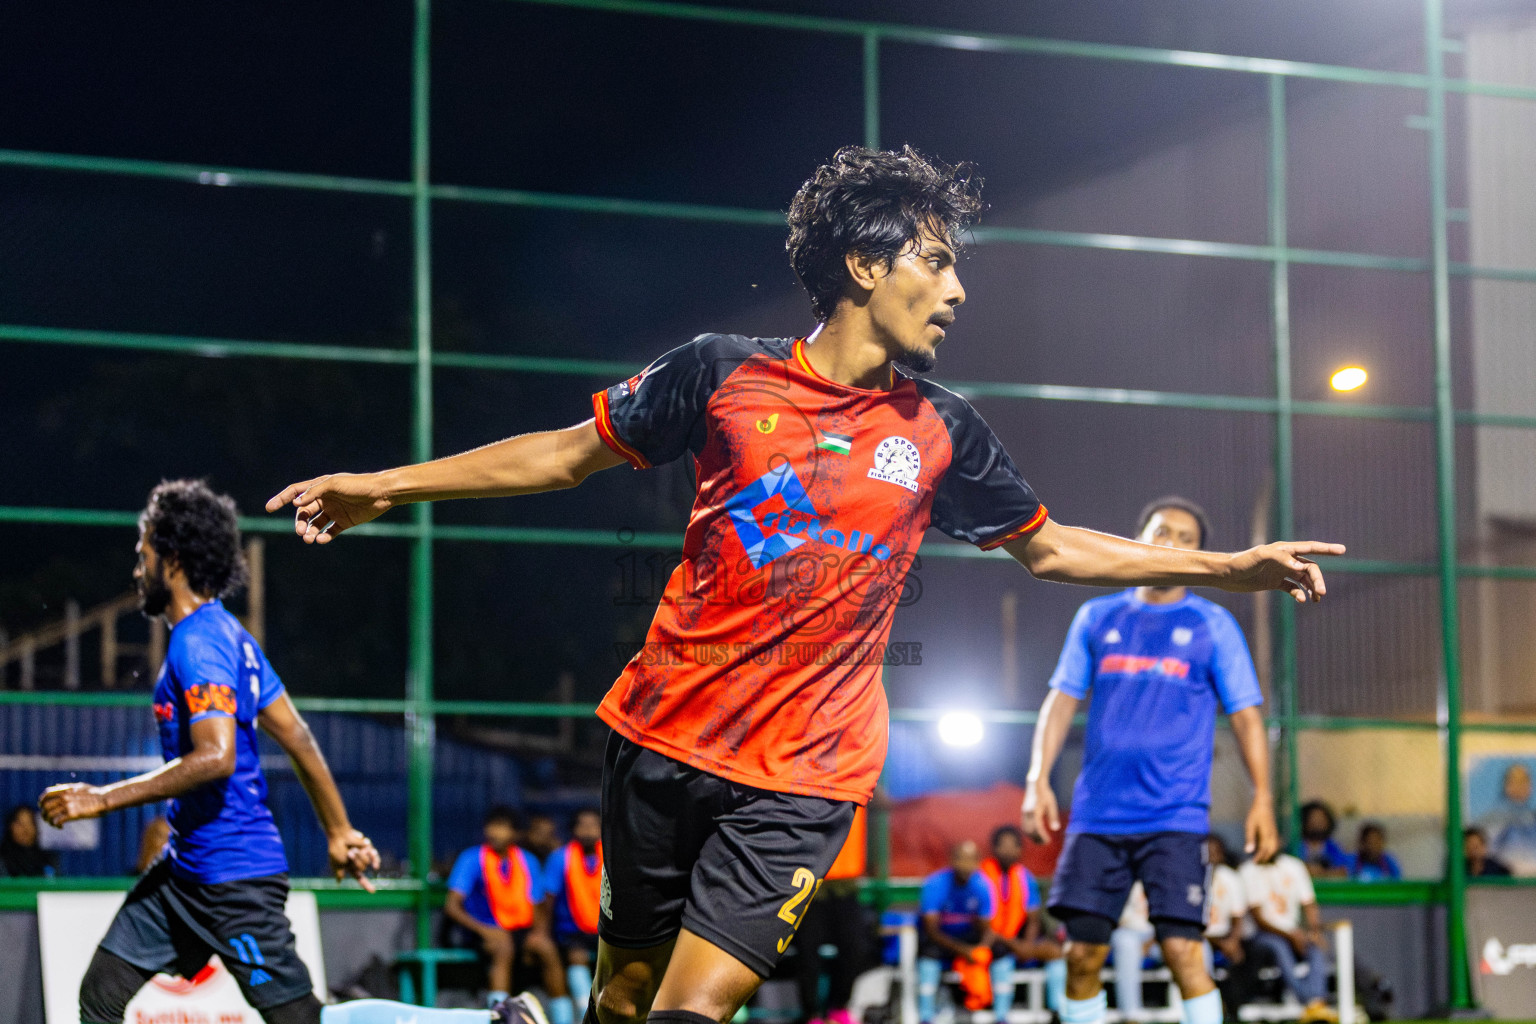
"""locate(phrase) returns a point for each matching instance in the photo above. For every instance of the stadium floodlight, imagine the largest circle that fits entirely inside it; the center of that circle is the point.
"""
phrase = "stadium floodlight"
(1349, 378)
(960, 728)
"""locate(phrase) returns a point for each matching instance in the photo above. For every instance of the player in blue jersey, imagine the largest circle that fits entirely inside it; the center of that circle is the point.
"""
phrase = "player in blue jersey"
(222, 883)
(1157, 661)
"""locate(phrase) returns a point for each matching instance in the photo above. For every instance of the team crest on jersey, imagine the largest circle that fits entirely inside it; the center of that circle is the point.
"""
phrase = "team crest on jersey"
(1112, 637)
(1183, 635)
(605, 896)
(897, 461)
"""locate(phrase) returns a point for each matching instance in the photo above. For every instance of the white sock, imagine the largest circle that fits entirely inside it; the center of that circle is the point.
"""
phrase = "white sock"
(1085, 1011)
(1204, 1009)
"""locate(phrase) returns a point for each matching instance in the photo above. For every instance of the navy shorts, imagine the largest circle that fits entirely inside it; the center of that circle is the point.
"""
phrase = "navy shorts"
(172, 924)
(1095, 874)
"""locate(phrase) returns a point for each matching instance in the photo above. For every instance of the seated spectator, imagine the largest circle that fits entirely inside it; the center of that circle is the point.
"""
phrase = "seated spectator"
(573, 888)
(1372, 862)
(1016, 925)
(1132, 946)
(1229, 931)
(20, 854)
(1474, 849)
(1511, 825)
(496, 896)
(1284, 906)
(541, 838)
(1323, 857)
(956, 910)
(157, 832)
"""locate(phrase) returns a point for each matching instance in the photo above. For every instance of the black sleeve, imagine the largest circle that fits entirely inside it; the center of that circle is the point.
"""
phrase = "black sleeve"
(657, 414)
(983, 498)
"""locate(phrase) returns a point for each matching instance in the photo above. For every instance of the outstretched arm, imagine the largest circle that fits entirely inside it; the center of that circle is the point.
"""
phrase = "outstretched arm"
(350, 850)
(527, 464)
(1070, 554)
(211, 758)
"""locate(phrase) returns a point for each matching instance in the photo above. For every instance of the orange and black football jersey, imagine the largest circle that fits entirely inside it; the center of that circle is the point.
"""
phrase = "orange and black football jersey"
(763, 662)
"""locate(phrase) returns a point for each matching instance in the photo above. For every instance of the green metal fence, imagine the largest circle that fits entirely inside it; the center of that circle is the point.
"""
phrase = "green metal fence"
(419, 706)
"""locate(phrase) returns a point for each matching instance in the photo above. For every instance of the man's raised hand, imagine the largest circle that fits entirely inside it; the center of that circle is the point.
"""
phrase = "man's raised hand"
(1282, 566)
(326, 506)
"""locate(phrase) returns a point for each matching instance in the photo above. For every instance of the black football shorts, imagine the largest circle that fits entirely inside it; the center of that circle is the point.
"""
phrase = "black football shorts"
(683, 848)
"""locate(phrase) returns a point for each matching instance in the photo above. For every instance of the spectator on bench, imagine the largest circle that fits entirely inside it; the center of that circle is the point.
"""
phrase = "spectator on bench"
(1016, 925)
(956, 908)
(1323, 857)
(1372, 862)
(21, 856)
(1229, 931)
(1284, 907)
(1474, 848)
(496, 895)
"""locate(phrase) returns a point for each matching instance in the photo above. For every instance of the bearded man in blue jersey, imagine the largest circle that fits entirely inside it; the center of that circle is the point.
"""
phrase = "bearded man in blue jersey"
(1158, 661)
(221, 884)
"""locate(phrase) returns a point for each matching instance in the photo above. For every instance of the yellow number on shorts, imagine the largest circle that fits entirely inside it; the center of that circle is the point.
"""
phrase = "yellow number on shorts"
(806, 881)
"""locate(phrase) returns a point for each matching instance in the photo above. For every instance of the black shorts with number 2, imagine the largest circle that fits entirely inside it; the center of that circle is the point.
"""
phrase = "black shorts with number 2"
(733, 864)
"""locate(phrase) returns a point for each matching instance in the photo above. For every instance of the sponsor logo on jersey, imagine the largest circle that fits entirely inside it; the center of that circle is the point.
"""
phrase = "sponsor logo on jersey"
(773, 516)
(897, 461)
(210, 697)
(1130, 664)
(165, 712)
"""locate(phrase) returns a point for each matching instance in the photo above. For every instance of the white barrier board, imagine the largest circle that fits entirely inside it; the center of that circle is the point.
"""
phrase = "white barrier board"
(71, 924)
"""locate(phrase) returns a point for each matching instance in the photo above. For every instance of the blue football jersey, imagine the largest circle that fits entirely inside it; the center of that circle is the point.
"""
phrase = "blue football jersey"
(221, 831)
(1156, 673)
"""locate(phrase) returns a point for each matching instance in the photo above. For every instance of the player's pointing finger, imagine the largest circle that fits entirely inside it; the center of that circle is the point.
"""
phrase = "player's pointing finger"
(286, 495)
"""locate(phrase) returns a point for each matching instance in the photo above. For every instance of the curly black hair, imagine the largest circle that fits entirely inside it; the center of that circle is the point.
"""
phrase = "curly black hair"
(1007, 830)
(1183, 505)
(189, 523)
(873, 203)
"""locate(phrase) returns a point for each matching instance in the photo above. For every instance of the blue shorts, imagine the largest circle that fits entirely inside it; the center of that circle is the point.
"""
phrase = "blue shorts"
(1095, 874)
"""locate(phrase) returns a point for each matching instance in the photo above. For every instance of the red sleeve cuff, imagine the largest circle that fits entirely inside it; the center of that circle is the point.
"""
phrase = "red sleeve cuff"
(1034, 523)
(610, 436)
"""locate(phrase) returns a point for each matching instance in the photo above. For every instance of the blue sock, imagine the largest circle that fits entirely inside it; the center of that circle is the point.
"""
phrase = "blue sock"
(1204, 1009)
(1002, 986)
(928, 974)
(1085, 1011)
(578, 977)
(386, 1011)
(1056, 985)
(561, 1010)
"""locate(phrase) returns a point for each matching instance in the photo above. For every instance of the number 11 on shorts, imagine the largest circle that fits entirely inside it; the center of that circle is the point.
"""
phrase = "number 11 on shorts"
(807, 883)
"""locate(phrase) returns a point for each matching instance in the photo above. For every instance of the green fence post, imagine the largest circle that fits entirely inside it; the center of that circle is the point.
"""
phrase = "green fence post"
(1445, 486)
(419, 689)
(1284, 687)
(872, 90)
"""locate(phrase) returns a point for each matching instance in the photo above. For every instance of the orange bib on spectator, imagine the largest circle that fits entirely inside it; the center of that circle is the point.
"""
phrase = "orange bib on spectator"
(583, 888)
(1012, 910)
(975, 978)
(850, 861)
(506, 887)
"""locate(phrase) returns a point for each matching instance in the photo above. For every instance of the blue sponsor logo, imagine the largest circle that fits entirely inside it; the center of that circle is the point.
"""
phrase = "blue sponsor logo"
(788, 521)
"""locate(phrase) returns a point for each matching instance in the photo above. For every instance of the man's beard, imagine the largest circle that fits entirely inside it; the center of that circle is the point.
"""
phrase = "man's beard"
(916, 360)
(154, 595)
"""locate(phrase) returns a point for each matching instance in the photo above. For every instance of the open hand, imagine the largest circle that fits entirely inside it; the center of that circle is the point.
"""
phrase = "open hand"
(352, 853)
(1041, 815)
(71, 801)
(326, 506)
(1281, 566)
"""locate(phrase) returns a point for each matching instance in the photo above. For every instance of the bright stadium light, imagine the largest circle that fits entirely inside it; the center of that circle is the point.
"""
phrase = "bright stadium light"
(960, 729)
(1349, 378)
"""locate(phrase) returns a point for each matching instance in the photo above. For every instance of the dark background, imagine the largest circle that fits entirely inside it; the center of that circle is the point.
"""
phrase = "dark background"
(570, 101)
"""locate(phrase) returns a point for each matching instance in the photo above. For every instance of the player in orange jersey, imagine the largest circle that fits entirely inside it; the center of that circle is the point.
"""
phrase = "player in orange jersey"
(753, 721)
